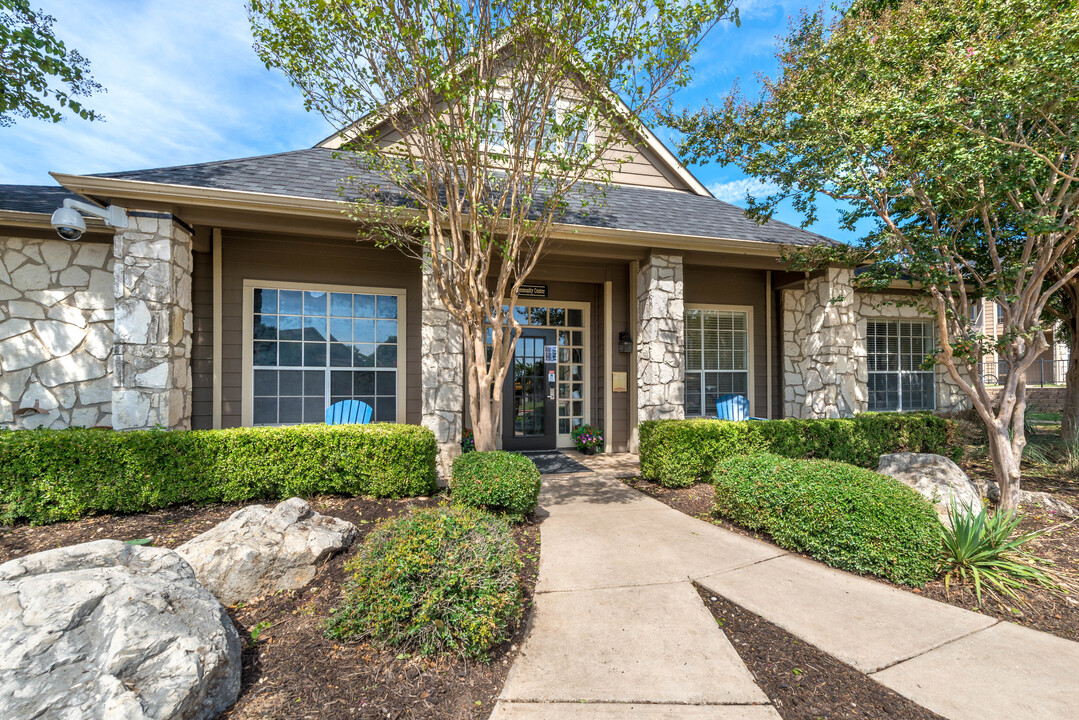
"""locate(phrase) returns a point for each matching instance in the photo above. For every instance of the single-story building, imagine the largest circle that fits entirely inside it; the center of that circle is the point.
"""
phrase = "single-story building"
(239, 294)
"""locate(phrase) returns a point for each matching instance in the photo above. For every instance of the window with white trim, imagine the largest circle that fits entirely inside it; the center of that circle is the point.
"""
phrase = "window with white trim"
(895, 351)
(717, 357)
(312, 348)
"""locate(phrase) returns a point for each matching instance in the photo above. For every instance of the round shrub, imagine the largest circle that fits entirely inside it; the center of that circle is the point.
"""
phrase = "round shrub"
(848, 517)
(445, 580)
(498, 481)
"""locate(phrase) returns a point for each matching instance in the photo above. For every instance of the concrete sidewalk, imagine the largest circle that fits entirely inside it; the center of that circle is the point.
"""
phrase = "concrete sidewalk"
(619, 631)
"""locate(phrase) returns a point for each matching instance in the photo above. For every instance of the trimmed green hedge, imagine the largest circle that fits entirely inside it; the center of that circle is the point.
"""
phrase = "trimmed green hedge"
(54, 475)
(501, 481)
(678, 453)
(848, 517)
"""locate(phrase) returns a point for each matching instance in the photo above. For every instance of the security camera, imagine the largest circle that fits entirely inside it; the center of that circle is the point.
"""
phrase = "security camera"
(69, 222)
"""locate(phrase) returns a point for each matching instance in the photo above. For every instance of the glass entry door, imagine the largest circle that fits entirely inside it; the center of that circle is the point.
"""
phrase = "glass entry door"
(530, 420)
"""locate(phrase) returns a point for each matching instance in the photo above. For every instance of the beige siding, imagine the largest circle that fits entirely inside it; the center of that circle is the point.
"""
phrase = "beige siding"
(249, 256)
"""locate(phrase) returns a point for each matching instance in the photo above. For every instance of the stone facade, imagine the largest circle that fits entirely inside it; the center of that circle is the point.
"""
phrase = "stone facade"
(152, 358)
(661, 339)
(825, 372)
(820, 374)
(56, 340)
(442, 359)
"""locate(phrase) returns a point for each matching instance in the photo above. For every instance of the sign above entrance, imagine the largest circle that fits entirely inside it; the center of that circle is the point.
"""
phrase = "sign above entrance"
(533, 291)
(550, 354)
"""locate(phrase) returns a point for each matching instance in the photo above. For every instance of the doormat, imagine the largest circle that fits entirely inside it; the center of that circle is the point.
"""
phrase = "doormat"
(552, 462)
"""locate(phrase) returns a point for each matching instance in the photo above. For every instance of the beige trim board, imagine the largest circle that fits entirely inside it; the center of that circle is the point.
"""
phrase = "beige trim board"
(218, 320)
(609, 347)
(249, 286)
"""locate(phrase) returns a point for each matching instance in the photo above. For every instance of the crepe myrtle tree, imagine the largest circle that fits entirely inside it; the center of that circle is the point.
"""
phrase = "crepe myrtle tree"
(39, 75)
(953, 125)
(477, 127)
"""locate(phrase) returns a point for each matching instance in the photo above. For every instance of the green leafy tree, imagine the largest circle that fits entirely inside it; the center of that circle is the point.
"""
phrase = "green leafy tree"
(39, 75)
(954, 126)
(476, 127)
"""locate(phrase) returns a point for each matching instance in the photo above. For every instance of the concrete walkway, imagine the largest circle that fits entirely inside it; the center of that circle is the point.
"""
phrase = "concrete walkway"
(619, 632)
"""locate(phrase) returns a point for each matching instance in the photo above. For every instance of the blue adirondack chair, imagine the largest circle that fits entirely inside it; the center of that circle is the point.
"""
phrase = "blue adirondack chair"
(348, 412)
(733, 407)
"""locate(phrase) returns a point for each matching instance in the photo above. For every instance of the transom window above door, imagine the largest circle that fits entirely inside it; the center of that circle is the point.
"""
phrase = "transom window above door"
(718, 356)
(310, 348)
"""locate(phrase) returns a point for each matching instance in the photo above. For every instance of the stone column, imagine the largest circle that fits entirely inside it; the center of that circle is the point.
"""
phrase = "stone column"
(152, 333)
(819, 337)
(660, 339)
(442, 372)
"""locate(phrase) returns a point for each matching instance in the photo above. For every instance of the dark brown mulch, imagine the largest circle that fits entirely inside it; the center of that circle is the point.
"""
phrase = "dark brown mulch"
(293, 670)
(1041, 610)
(802, 682)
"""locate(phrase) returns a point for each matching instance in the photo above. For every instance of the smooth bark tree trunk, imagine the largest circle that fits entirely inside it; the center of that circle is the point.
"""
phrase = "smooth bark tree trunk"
(1005, 467)
(1069, 424)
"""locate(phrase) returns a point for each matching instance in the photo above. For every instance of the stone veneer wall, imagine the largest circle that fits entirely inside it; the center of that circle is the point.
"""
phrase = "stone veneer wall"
(442, 372)
(825, 374)
(661, 339)
(152, 358)
(56, 313)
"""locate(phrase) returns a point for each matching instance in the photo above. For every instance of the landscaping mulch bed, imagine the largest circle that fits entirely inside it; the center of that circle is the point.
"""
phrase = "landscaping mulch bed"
(293, 670)
(802, 682)
(1041, 610)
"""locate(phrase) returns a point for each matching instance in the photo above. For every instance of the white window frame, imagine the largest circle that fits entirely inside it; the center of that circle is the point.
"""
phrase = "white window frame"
(750, 328)
(565, 440)
(248, 380)
(561, 106)
(900, 372)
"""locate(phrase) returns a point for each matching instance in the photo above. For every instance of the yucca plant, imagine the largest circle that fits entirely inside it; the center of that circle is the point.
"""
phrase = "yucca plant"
(984, 550)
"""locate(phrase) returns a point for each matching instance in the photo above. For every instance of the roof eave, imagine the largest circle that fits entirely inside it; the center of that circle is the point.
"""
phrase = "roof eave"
(88, 185)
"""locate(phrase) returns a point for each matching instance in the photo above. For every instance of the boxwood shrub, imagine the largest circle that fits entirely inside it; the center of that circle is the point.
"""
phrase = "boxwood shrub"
(445, 580)
(848, 517)
(499, 481)
(54, 475)
(678, 453)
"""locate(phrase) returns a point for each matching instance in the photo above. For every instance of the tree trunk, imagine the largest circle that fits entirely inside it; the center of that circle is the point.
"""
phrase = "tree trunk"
(1005, 467)
(1069, 425)
(485, 383)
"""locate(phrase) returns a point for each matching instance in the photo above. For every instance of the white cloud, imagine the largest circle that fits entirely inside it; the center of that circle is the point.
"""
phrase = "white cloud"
(735, 191)
(183, 85)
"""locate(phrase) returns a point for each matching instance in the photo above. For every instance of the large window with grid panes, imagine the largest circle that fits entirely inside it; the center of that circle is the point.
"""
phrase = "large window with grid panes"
(311, 346)
(718, 356)
(896, 350)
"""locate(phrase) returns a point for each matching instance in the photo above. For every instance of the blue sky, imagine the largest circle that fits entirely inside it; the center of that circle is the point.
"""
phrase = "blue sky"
(185, 86)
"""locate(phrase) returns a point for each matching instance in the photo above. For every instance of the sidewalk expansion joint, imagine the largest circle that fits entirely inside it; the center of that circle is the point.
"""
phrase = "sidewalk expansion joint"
(680, 703)
(938, 646)
(630, 586)
(717, 573)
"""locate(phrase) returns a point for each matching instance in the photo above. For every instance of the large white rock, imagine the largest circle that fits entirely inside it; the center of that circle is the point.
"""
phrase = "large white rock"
(259, 551)
(59, 338)
(106, 630)
(936, 477)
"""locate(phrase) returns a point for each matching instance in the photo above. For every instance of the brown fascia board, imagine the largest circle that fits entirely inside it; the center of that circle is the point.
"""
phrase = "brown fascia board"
(167, 195)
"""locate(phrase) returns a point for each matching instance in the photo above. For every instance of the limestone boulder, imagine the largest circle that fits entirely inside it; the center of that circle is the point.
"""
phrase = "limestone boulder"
(259, 551)
(107, 630)
(936, 477)
(1045, 501)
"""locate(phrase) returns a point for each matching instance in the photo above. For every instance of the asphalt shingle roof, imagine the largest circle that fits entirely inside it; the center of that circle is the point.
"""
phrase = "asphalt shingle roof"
(316, 173)
(33, 198)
